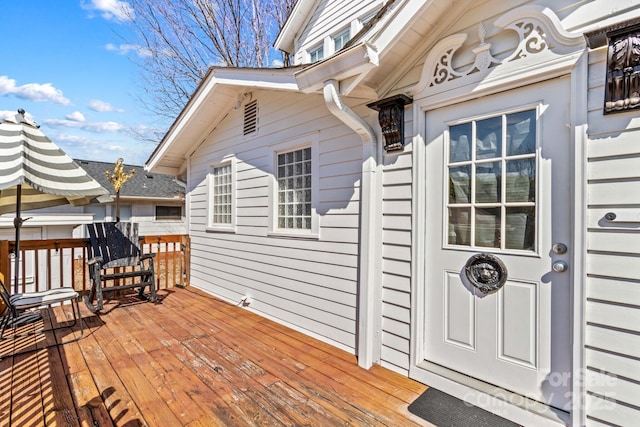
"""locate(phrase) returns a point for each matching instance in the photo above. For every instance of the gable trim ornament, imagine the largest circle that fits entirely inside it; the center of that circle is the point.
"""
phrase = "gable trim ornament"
(544, 50)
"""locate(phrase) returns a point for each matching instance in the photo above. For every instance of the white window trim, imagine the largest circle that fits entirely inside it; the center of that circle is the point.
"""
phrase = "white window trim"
(340, 34)
(315, 49)
(212, 227)
(308, 140)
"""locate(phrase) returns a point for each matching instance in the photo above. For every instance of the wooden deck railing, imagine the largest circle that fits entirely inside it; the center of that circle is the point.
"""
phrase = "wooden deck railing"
(52, 263)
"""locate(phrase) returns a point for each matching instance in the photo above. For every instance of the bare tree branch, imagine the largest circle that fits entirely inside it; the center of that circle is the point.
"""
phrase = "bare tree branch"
(180, 39)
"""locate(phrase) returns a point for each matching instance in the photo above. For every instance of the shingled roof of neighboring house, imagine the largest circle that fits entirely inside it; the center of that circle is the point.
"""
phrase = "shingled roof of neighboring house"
(141, 184)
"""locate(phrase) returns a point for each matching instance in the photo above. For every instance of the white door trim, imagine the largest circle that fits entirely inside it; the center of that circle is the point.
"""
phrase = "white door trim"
(464, 387)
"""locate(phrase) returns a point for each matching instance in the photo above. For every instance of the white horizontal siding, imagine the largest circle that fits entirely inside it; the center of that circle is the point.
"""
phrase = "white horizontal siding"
(330, 18)
(396, 208)
(307, 283)
(612, 312)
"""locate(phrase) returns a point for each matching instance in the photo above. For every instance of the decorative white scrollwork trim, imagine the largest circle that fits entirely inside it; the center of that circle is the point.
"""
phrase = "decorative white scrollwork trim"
(539, 31)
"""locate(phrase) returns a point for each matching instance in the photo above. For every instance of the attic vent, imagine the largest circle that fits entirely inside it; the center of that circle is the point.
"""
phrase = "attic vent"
(250, 117)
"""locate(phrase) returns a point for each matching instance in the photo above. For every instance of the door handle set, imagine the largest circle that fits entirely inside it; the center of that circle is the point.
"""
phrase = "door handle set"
(559, 266)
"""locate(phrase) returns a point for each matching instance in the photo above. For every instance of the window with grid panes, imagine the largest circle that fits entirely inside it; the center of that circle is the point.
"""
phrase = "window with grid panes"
(341, 39)
(492, 182)
(294, 189)
(222, 198)
(316, 54)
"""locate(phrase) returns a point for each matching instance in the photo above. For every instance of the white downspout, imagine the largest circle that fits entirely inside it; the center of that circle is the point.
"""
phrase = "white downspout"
(367, 332)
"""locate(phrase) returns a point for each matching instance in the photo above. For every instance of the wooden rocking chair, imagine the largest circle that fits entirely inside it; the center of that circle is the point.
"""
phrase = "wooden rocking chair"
(115, 258)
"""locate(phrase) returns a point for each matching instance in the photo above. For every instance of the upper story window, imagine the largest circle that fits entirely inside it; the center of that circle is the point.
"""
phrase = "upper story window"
(316, 54)
(365, 19)
(341, 39)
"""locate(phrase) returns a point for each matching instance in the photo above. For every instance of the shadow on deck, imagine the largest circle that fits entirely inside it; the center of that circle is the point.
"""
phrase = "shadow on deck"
(193, 360)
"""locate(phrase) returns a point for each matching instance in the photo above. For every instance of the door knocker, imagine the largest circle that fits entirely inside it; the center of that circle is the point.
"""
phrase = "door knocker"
(486, 272)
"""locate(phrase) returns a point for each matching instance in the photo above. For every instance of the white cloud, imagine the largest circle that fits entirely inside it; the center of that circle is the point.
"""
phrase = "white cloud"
(124, 49)
(110, 9)
(76, 116)
(32, 91)
(5, 114)
(80, 147)
(88, 126)
(102, 107)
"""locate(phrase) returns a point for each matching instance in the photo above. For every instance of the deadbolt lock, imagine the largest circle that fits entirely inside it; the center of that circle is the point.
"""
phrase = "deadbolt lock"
(559, 248)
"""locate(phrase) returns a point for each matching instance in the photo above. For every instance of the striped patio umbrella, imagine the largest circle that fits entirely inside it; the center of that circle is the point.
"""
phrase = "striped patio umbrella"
(35, 174)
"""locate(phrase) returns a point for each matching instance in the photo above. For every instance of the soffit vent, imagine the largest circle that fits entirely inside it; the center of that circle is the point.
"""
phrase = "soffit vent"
(250, 118)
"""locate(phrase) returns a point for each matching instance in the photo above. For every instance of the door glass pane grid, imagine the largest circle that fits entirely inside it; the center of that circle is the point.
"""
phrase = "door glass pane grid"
(222, 188)
(491, 171)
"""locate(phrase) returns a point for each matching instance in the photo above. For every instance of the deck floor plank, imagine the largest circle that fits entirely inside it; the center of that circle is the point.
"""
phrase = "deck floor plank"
(165, 372)
(180, 338)
(105, 391)
(121, 353)
(193, 360)
(314, 355)
(317, 402)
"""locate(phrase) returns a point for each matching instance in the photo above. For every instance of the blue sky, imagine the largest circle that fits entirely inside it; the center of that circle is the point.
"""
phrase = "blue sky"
(66, 64)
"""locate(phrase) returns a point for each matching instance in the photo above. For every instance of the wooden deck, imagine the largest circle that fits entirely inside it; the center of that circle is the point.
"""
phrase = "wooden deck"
(193, 360)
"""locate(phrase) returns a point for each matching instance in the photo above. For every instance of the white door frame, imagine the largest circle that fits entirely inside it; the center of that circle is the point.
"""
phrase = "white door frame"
(460, 386)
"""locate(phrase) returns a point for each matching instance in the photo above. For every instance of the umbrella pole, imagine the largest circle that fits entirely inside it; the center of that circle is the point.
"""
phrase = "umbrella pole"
(17, 222)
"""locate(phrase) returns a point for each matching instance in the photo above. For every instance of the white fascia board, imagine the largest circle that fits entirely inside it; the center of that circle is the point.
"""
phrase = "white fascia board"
(294, 24)
(151, 199)
(184, 119)
(260, 78)
(356, 60)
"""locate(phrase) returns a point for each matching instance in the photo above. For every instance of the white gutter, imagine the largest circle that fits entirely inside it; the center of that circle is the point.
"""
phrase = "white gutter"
(368, 319)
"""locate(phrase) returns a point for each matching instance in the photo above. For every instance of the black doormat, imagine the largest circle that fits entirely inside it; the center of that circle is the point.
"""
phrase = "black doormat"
(444, 410)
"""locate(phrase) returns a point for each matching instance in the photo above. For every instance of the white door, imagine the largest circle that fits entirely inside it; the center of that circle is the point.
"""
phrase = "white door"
(499, 183)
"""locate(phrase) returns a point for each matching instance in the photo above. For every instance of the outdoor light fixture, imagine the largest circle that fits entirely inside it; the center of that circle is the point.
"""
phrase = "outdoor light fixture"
(391, 119)
(622, 88)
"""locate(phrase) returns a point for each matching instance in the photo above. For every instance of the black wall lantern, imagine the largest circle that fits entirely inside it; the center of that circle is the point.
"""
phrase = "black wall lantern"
(391, 119)
(622, 89)
(623, 72)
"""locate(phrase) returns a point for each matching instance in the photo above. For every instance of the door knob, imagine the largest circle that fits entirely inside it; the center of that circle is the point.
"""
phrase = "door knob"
(560, 266)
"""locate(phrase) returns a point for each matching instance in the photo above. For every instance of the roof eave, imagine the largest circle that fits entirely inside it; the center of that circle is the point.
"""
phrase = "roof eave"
(216, 95)
(354, 61)
(293, 25)
(178, 199)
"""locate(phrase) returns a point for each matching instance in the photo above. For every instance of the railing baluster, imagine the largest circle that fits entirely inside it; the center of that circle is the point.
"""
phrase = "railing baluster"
(170, 263)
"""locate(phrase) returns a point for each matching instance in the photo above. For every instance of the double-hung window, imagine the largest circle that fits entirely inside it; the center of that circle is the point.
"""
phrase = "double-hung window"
(222, 201)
